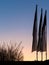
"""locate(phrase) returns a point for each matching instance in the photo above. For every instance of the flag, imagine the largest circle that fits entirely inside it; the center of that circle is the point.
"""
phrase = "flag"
(34, 43)
(40, 33)
(44, 34)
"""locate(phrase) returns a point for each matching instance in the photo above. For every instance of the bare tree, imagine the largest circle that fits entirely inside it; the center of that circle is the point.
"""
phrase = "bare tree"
(11, 53)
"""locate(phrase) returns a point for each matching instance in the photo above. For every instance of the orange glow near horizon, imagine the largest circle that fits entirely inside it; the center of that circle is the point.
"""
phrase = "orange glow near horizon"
(31, 56)
(27, 44)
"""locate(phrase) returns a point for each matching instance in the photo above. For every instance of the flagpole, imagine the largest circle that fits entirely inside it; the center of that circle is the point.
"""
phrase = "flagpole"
(46, 35)
(46, 51)
(41, 56)
(46, 54)
(37, 55)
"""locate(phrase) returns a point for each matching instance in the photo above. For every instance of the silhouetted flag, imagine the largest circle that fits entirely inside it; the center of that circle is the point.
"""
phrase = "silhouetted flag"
(44, 34)
(40, 33)
(34, 43)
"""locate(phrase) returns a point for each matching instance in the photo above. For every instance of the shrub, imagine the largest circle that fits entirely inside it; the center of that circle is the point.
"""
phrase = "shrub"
(11, 52)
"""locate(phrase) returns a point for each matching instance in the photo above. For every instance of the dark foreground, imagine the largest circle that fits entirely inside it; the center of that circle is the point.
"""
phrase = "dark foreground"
(27, 62)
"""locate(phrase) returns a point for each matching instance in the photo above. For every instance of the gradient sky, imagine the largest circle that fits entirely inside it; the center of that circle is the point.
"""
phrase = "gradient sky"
(16, 22)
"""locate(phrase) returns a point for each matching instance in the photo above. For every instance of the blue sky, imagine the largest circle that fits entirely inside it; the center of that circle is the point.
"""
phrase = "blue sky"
(18, 14)
(17, 17)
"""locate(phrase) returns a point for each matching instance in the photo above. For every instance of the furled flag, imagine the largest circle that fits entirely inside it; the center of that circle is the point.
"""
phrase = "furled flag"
(34, 43)
(40, 33)
(43, 46)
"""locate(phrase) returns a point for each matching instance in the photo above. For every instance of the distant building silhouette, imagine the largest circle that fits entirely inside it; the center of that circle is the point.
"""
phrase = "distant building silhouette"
(34, 43)
(44, 34)
(40, 32)
(42, 37)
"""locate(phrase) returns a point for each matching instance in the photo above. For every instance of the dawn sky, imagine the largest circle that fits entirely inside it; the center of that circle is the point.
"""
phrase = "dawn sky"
(16, 22)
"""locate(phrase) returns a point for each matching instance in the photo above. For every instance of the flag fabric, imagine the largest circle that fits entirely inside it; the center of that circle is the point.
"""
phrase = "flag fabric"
(34, 43)
(40, 33)
(44, 35)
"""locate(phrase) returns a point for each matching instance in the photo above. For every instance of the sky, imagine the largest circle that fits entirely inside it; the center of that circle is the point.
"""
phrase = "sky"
(16, 23)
